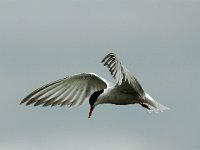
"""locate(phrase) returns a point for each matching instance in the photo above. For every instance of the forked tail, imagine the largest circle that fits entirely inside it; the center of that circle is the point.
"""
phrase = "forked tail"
(153, 105)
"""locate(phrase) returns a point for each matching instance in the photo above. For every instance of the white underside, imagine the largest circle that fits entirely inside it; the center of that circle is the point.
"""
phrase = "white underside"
(114, 95)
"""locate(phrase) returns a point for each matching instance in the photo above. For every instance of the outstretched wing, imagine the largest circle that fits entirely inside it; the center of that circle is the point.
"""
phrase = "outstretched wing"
(121, 74)
(69, 91)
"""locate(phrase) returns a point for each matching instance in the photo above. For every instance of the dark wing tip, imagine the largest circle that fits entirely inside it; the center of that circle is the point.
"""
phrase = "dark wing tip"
(23, 101)
(111, 61)
(108, 56)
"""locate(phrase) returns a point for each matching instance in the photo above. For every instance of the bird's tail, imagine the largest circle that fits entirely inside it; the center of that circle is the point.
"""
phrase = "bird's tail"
(153, 105)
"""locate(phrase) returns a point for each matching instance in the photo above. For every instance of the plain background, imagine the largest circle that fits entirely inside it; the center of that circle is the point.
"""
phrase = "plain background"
(157, 40)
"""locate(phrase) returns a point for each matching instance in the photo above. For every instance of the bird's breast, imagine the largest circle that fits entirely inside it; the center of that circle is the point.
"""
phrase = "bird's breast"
(115, 96)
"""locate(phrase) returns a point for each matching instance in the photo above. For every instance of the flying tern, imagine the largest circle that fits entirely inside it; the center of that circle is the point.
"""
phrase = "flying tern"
(77, 89)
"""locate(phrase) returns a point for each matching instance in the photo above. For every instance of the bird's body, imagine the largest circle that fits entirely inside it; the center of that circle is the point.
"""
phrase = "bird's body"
(118, 96)
(75, 90)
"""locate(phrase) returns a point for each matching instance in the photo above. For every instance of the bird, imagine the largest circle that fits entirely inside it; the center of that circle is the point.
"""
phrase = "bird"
(77, 89)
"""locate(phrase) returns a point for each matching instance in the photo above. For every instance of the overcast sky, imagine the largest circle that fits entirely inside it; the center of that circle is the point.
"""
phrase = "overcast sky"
(157, 40)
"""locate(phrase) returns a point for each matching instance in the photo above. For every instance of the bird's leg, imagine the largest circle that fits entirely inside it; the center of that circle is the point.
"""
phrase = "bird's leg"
(144, 105)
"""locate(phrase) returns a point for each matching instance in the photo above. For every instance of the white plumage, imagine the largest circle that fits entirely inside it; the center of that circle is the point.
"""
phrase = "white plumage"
(75, 90)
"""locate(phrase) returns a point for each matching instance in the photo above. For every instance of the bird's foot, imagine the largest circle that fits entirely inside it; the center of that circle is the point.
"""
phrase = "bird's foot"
(144, 105)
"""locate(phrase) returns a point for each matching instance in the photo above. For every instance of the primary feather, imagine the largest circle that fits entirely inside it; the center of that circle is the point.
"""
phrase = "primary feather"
(71, 91)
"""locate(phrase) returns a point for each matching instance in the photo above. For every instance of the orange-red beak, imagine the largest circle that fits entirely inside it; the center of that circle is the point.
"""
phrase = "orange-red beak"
(91, 110)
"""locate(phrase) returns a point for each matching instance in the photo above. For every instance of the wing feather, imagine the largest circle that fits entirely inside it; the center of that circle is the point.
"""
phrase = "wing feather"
(121, 73)
(69, 91)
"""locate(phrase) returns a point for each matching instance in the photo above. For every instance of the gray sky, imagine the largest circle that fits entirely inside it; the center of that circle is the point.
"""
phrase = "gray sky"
(157, 40)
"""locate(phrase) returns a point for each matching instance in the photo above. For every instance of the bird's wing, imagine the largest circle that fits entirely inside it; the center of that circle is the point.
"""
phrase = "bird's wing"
(69, 91)
(121, 73)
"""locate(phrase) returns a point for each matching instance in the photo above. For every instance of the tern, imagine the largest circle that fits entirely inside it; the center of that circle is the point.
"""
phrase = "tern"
(77, 89)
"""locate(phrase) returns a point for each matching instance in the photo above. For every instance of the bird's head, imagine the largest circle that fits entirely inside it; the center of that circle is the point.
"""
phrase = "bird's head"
(92, 100)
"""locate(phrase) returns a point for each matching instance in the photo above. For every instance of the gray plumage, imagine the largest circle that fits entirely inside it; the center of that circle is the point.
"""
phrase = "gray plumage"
(75, 90)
